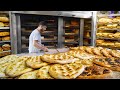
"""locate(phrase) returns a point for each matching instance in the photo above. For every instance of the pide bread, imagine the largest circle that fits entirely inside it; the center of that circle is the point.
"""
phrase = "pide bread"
(17, 68)
(43, 73)
(61, 58)
(35, 62)
(29, 75)
(67, 71)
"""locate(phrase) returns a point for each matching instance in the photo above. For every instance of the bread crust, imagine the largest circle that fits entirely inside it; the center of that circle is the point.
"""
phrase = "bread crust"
(106, 64)
(29, 75)
(63, 73)
(35, 62)
(14, 70)
(43, 73)
(95, 72)
(104, 76)
(69, 59)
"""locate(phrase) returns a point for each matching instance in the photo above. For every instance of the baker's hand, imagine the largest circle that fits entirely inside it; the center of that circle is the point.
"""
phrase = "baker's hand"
(46, 49)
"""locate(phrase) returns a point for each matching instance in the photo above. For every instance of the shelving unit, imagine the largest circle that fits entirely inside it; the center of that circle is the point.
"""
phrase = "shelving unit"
(71, 31)
(5, 33)
(108, 30)
(87, 32)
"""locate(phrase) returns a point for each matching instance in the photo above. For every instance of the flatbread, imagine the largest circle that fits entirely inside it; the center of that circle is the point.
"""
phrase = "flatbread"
(61, 58)
(95, 72)
(17, 68)
(35, 62)
(43, 73)
(4, 62)
(29, 75)
(111, 63)
(67, 71)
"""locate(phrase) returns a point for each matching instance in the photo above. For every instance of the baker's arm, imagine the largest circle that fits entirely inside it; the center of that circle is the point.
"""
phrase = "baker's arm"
(42, 47)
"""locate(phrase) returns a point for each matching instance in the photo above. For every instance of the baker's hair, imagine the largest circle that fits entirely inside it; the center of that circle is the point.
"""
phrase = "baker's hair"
(43, 23)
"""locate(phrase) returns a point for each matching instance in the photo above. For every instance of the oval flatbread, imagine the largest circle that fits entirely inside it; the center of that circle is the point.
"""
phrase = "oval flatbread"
(4, 62)
(17, 68)
(95, 72)
(29, 75)
(35, 62)
(67, 71)
(61, 58)
(43, 73)
(80, 54)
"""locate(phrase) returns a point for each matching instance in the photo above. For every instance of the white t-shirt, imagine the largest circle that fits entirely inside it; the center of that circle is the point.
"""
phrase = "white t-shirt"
(35, 35)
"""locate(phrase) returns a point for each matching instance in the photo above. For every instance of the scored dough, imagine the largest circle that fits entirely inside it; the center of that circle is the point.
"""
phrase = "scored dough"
(35, 62)
(17, 68)
(29, 75)
(43, 73)
(67, 71)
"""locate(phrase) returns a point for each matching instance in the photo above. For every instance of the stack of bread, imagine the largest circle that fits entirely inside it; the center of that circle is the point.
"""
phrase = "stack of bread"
(4, 21)
(5, 47)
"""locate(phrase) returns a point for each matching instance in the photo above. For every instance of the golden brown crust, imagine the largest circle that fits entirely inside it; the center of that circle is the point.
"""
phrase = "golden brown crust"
(115, 53)
(104, 76)
(89, 50)
(96, 51)
(17, 68)
(29, 75)
(105, 52)
(101, 63)
(4, 19)
(43, 73)
(35, 62)
(67, 71)
(61, 58)
(111, 63)
(95, 72)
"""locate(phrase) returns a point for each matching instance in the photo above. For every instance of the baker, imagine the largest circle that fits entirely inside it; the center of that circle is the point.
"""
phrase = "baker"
(35, 45)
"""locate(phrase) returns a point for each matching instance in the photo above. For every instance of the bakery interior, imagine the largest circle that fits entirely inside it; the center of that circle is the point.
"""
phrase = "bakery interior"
(65, 30)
